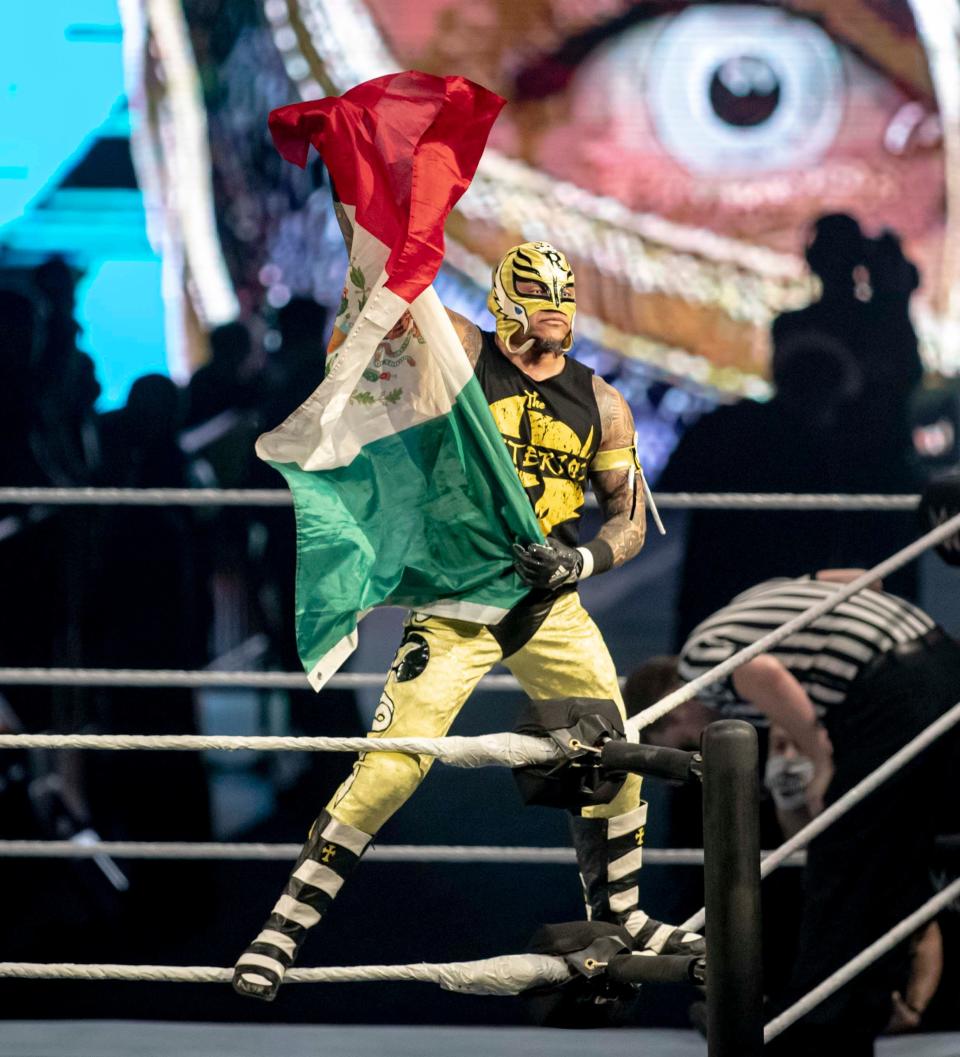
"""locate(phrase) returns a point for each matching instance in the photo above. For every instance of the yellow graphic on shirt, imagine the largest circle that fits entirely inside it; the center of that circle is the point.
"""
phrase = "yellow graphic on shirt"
(554, 459)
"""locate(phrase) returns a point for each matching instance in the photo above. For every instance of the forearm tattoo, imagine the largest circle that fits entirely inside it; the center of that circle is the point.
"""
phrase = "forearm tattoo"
(619, 492)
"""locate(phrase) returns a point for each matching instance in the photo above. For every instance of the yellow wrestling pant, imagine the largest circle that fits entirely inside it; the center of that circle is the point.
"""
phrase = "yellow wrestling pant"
(437, 666)
(555, 650)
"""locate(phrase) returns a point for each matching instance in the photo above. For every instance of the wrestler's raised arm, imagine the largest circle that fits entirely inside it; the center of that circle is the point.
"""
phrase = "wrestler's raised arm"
(619, 489)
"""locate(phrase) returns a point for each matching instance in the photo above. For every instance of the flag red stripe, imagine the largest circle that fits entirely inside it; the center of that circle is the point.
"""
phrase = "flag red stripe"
(402, 149)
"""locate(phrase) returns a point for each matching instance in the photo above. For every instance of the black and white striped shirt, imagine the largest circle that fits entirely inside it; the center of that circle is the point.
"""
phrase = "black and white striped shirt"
(824, 657)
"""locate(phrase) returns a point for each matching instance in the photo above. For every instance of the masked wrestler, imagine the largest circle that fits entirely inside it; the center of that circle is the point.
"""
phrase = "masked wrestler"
(562, 426)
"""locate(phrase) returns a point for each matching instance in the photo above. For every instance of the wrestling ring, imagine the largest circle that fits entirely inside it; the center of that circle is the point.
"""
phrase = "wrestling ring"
(731, 857)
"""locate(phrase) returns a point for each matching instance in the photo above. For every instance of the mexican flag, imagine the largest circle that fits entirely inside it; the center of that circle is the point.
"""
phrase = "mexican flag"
(403, 489)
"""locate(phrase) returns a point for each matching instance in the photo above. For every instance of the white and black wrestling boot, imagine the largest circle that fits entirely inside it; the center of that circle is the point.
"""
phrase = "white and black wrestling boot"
(330, 854)
(609, 856)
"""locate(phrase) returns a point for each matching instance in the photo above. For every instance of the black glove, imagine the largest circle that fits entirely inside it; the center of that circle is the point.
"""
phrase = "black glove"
(940, 502)
(552, 564)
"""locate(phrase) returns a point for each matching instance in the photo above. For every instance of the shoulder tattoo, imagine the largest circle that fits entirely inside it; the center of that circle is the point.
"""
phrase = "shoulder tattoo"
(469, 335)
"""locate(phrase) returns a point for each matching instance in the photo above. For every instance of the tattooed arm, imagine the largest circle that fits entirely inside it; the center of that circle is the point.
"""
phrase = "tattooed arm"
(614, 476)
(619, 491)
(469, 335)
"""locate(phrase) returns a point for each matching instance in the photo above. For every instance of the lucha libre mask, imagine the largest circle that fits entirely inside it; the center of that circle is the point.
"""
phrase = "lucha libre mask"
(541, 263)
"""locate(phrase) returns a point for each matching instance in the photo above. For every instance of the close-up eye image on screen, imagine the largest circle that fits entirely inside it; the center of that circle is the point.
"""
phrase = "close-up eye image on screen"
(479, 494)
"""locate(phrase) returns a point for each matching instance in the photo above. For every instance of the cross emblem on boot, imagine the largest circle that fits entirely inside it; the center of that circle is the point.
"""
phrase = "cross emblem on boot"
(328, 852)
(638, 836)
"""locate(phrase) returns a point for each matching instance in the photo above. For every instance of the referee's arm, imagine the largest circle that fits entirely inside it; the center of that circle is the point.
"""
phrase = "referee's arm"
(767, 685)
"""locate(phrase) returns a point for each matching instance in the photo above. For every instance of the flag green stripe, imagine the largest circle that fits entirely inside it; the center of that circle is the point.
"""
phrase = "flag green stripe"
(422, 514)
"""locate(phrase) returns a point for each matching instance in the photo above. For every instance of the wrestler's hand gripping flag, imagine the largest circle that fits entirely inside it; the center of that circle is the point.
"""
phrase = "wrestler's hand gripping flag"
(403, 489)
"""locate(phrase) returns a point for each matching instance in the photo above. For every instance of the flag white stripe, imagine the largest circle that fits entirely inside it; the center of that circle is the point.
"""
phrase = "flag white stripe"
(329, 664)
(456, 609)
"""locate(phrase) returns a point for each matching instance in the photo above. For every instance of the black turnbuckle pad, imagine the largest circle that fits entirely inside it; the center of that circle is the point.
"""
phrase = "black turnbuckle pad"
(653, 761)
(593, 960)
(595, 948)
(586, 946)
(589, 998)
(579, 727)
(639, 968)
(606, 973)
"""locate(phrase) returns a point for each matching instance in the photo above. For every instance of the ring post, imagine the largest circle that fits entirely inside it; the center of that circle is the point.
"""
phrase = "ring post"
(731, 864)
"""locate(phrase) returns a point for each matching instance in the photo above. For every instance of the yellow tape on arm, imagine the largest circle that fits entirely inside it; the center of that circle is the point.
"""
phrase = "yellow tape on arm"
(615, 459)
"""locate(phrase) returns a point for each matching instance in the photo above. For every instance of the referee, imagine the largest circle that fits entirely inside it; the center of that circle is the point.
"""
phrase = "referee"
(850, 689)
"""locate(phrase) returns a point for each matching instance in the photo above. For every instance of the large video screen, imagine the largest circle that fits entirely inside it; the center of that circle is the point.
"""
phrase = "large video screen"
(678, 152)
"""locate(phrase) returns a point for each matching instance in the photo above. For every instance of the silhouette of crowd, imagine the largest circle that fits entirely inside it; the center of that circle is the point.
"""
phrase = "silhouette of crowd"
(845, 371)
(139, 587)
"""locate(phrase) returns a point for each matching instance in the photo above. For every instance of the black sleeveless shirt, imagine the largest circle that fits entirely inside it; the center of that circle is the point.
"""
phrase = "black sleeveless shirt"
(552, 432)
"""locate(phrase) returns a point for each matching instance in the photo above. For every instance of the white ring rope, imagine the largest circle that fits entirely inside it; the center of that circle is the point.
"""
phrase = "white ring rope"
(450, 853)
(511, 750)
(800, 621)
(295, 680)
(848, 801)
(505, 975)
(200, 850)
(280, 497)
(784, 501)
(856, 965)
(517, 750)
(147, 496)
(202, 679)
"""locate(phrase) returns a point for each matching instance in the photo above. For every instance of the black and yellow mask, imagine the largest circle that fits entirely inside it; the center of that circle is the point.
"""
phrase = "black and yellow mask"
(546, 279)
